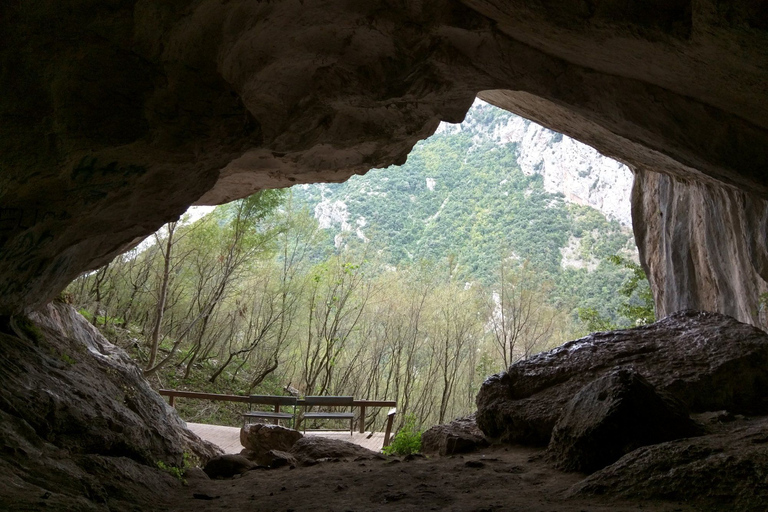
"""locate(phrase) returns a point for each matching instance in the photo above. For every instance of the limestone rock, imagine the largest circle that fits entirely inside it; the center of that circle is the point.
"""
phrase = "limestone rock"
(312, 449)
(78, 421)
(259, 439)
(703, 246)
(105, 138)
(459, 436)
(706, 360)
(721, 471)
(227, 466)
(614, 415)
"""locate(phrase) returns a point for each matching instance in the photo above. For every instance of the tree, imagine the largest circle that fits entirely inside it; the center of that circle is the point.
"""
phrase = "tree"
(520, 319)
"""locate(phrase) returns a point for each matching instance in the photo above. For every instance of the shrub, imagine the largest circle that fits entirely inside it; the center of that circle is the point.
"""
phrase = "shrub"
(407, 440)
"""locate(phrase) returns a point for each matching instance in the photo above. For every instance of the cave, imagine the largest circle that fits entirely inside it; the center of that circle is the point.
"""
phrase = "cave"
(118, 116)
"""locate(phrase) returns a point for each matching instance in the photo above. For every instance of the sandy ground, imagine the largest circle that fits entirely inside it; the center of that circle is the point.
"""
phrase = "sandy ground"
(495, 479)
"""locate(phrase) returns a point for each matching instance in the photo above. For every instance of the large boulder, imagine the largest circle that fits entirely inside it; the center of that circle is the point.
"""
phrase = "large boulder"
(313, 449)
(721, 471)
(79, 423)
(259, 439)
(614, 415)
(459, 436)
(707, 361)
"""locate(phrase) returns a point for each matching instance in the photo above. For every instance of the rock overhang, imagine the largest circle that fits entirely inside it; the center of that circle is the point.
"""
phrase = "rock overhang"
(118, 116)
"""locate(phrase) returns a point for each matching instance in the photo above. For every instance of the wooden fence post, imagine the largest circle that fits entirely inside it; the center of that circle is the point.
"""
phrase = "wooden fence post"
(362, 419)
(388, 432)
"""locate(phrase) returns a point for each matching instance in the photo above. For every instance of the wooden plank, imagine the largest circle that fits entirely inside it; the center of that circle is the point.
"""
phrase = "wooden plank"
(203, 396)
(172, 393)
(390, 420)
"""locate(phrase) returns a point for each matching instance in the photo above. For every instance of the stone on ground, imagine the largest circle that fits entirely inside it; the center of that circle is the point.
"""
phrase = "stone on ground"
(227, 466)
(313, 449)
(261, 438)
(459, 436)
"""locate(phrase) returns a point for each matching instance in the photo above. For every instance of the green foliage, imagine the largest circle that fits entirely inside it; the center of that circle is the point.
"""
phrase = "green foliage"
(188, 461)
(594, 321)
(259, 297)
(762, 302)
(462, 196)
(638, 307)
(407, 440)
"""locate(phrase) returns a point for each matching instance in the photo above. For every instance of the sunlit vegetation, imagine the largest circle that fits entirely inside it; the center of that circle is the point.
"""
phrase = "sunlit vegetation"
(449, 286)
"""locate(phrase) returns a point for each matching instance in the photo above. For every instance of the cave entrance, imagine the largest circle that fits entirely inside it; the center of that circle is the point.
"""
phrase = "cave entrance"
(497, 239)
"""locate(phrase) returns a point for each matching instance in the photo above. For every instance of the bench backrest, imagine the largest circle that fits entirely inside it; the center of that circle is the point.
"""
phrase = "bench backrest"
(272, 400)
(329, 401)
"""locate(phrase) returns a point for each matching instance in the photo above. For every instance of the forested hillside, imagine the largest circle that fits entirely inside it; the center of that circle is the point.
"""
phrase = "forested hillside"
(462, 197)
(411, 283)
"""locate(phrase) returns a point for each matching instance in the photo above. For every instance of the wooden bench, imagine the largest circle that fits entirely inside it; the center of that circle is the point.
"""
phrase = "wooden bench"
(275, 415)
(330, 401)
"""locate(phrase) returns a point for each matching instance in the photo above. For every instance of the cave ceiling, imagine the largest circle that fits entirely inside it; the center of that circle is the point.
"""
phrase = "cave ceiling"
(116, 116)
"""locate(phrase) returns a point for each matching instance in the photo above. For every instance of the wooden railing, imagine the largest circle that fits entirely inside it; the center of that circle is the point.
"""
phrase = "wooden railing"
(172, 394)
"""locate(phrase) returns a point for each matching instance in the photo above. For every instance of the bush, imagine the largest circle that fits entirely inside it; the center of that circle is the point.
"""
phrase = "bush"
(407, 440)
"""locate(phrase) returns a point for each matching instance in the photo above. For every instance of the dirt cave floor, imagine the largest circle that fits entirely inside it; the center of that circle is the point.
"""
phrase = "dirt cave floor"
(497, 478)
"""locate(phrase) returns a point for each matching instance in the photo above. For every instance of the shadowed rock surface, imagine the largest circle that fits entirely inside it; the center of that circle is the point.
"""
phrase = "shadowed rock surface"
(706, 360)
(612, 416)
(459, 436)
(313, 449)
(722, 471)
(227, 466)
(79, 422)
(117, 116)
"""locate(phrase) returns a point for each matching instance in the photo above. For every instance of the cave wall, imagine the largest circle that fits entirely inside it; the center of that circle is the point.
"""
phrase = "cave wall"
(118, 115)
(703, 245)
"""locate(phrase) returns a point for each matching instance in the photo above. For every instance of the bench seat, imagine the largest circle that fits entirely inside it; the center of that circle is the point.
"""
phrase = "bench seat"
(269, 415)
(330, 415)
(329, 401)
(275, 415)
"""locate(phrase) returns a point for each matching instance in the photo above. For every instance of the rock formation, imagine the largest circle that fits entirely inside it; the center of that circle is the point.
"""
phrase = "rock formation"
(79, 422)
(721, 471)
(707, 361)
(118, 116)
(704, 246)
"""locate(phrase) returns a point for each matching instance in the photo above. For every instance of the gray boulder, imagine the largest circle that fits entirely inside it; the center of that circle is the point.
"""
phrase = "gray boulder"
(612, 416)
(313, 449)
(707, 361)
(459, 436)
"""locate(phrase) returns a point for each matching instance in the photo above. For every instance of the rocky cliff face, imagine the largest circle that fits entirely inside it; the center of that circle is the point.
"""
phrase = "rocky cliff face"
(579, 172)
(703, 246)
(117, 116)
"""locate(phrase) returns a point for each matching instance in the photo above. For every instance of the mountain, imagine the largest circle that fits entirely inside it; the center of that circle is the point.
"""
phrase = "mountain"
(495, 186)
(579, 172)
